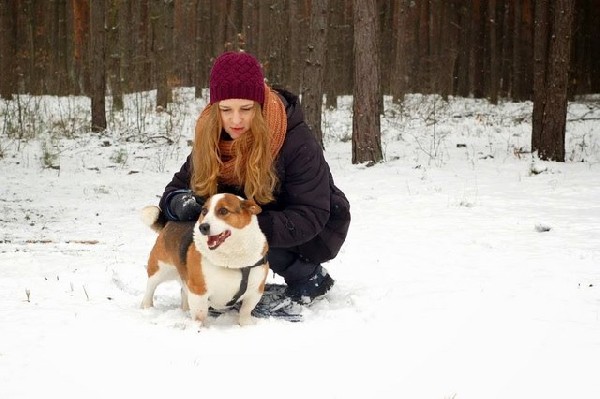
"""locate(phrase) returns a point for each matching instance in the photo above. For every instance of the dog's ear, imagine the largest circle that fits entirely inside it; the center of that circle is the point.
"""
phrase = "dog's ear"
(251, 206)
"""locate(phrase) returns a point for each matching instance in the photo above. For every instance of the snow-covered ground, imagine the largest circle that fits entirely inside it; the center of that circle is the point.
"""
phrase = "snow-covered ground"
(471, 270)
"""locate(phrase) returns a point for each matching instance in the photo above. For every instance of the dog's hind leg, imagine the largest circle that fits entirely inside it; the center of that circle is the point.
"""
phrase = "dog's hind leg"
(185, 304)
(153, 282)
(163, 273)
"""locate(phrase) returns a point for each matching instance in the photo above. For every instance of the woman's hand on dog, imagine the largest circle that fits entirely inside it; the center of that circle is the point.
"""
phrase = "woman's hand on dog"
(186, 206)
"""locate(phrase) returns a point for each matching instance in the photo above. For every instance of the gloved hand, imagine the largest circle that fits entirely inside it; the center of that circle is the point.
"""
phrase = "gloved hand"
(186, 206)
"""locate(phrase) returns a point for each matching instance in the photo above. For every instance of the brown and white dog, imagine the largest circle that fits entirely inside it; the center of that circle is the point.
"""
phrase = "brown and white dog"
(220, 260)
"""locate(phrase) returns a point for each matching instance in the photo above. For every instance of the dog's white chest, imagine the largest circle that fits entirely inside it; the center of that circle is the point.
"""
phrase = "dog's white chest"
(223, 284)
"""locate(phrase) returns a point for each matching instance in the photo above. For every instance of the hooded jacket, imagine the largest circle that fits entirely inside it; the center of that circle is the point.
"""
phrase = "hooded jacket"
(309, 215)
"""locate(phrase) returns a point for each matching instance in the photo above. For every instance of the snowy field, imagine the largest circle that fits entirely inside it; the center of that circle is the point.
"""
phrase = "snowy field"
(471, 270)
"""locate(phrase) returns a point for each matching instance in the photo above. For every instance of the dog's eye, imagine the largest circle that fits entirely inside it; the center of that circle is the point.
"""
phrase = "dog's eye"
(204, 211)
(223, 211)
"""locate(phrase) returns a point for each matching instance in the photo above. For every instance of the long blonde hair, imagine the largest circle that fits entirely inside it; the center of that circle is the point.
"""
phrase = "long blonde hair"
(246, 162)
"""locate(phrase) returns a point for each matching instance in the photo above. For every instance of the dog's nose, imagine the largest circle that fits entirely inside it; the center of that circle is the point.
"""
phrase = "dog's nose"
(204, 228)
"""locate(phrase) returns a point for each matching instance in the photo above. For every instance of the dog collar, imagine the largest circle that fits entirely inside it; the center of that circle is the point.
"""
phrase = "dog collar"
(244, 280)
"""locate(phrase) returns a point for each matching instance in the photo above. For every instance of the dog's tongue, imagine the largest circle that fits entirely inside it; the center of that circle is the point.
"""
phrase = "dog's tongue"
(214, 241)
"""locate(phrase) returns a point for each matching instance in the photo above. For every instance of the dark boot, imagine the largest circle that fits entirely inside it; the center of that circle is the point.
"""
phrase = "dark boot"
(305, 280)
(306, 291)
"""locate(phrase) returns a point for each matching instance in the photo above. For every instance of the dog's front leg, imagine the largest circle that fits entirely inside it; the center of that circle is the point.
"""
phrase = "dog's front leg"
(248, 304)
(198, 306)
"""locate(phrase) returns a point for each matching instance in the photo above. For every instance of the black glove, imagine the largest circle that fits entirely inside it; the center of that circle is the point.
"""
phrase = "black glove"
(186, 206)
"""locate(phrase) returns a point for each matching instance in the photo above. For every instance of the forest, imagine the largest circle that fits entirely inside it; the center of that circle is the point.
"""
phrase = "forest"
(474, 48)
(478, 49)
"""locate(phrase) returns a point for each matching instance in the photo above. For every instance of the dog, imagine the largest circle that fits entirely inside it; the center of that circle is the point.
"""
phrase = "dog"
(220, 260)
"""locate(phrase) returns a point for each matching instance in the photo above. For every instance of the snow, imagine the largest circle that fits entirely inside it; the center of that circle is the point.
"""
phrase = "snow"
(471, 270)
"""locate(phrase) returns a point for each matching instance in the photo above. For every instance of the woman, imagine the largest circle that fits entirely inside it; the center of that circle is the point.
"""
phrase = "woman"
(252, 141)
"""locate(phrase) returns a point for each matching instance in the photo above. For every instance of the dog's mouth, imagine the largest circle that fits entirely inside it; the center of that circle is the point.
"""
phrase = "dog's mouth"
(213, 242)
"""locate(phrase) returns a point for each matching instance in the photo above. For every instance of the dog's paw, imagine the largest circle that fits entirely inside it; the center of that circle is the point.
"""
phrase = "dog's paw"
(200, 316)
(247, 320)
(146, 304)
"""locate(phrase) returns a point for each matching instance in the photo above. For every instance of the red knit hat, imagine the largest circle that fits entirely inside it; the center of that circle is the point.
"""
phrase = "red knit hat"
(236, 75)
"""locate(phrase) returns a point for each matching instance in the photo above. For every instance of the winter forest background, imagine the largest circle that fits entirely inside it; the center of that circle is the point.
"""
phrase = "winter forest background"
(521, 50)
(471, 265)
(473, 48)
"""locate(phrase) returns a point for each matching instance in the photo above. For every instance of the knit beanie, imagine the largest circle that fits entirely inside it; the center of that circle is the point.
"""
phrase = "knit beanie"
(236, 75)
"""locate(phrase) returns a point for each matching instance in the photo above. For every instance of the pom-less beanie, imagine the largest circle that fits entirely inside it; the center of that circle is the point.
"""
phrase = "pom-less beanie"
(236, 75)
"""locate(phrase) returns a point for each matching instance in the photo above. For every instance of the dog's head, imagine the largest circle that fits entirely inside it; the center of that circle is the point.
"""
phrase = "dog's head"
(224, 215)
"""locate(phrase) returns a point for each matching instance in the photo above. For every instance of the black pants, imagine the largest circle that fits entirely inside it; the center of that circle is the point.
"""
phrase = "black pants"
(291, 266)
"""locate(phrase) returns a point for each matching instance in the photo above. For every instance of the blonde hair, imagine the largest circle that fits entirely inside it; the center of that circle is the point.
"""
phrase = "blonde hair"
(252, 163)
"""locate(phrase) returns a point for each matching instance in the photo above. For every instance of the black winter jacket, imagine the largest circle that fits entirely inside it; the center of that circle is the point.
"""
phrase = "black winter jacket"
(310, 215)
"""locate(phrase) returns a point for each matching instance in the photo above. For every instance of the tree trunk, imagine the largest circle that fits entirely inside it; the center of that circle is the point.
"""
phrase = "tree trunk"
(385, 9)
(594, 40)
(447, 49)
(184, 17)
(312, 80)
(126, 32)
(141, 46)
(505, 71)
(114, 55)
(97, 66)
(493, 53)
(299, 19)
(517, 72)
(367, 101)
(464, 53)
(277, 63)
(527, 49)
(81, 35)
(161, 23)
(522, 54)
(202, 47)
(476, 77)
(423, 72)
(552, 52)
(400, 27)
(338, 71)
(59, 46)
(540, 60)
(8, 50)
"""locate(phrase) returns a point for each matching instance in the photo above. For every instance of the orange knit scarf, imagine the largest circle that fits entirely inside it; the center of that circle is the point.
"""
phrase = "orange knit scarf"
(274, 113)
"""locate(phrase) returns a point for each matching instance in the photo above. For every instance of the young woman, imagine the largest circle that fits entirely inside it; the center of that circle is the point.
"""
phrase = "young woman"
(251, 140)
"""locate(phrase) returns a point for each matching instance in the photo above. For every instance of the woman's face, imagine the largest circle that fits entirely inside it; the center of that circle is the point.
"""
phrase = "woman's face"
(236, 116)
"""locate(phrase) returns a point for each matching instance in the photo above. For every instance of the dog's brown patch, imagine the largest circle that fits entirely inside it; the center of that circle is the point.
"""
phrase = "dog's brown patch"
(174, 246)
(195, 278)
(157, 253)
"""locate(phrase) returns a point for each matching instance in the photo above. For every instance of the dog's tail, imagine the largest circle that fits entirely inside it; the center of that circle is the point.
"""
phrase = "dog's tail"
(153, 217)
